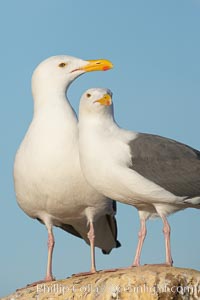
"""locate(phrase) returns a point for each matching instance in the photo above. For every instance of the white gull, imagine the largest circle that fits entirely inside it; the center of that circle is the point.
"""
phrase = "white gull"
(48, 180)
(157, 175)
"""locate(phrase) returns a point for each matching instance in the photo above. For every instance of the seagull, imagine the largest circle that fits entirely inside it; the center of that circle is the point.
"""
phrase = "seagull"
(49, 183)
(156, 175)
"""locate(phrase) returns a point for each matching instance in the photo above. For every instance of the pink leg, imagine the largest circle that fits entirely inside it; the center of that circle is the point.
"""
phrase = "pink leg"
(166, 231)
(51, 242)
(91, 237)
(49, 275)
(141, 238)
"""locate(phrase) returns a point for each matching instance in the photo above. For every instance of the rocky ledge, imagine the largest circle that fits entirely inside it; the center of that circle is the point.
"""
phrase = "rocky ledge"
(143, 283)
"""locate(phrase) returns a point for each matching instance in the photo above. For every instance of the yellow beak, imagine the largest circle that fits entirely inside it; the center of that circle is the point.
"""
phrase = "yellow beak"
(105, 100)
(97, 65)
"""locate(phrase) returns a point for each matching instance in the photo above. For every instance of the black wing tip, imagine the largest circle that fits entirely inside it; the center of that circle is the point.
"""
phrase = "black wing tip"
(118, 244)
(106, 252)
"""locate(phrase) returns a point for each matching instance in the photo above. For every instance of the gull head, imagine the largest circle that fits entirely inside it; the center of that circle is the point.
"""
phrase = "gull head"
(97, 101)
(59, 71)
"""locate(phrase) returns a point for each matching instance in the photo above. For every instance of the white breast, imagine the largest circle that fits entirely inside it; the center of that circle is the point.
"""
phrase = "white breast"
(47, 170)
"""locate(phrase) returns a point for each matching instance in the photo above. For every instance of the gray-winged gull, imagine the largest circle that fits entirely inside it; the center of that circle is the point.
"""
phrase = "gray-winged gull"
(48, 180)
(157, 175)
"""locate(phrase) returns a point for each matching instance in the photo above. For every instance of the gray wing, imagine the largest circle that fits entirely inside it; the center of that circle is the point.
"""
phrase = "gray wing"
(170, 164)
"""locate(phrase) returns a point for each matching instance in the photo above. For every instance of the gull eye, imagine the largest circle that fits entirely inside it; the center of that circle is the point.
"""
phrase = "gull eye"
(62, 65)
(88, 95)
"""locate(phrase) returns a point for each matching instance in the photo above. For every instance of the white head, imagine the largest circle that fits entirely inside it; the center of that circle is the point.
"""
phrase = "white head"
(57, 72)
(96, 101)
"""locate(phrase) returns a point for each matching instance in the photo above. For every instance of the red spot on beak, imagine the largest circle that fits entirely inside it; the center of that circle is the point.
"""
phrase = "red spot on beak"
(106, 68)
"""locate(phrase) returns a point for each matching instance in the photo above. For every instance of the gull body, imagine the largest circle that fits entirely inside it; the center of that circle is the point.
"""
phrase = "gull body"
(49, 183)
(158, 176)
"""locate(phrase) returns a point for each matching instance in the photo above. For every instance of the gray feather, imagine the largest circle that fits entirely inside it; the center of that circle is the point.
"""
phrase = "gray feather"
(170, 164)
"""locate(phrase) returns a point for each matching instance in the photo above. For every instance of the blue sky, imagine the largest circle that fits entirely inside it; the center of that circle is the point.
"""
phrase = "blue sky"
(154, 46)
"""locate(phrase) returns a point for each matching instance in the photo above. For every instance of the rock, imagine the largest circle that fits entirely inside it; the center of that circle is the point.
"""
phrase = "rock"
(148, 282)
